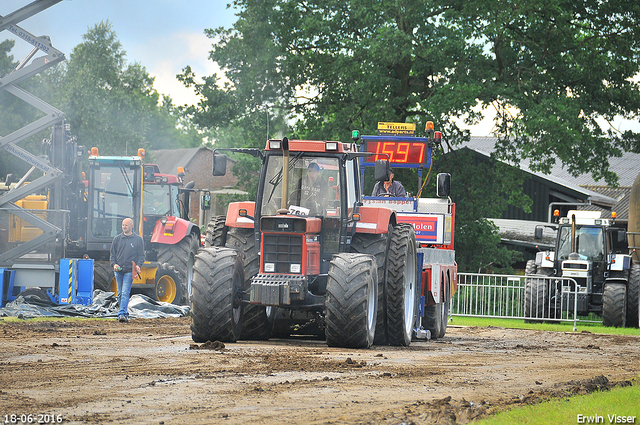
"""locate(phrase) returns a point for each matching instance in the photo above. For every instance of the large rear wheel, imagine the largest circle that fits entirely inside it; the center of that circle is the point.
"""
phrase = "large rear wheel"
(182, 256)
(352, 295)
(103, 276)
(614, 304)
(402, 295)
(378, 246)
(216, 302)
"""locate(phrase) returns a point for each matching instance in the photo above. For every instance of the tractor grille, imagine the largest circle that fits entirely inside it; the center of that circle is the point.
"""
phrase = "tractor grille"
(283, 250)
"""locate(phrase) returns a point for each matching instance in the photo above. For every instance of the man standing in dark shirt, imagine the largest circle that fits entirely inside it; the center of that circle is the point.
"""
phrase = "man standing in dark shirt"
(126, 248)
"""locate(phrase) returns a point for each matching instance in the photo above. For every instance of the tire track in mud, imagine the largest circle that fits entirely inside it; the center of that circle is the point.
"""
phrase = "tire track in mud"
(101, 371)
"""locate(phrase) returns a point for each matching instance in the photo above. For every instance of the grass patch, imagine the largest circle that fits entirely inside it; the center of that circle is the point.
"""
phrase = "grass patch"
(555, 327)
(600, 406)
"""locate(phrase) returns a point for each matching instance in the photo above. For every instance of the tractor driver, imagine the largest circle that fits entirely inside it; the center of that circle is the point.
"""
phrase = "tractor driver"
(389, 188)
(313, 190)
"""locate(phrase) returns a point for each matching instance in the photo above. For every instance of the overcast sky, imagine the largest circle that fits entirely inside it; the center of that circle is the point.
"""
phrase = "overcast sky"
(162, 35)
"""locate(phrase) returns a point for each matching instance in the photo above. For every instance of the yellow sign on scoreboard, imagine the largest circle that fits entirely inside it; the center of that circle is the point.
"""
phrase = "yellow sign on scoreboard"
(396, 129)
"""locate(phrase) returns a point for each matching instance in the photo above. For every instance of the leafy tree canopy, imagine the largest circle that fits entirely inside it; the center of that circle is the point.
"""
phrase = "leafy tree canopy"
(108, 102)
(551, 69)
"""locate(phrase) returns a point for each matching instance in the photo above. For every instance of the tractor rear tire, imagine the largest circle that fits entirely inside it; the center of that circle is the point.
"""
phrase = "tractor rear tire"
(216, 231)
(352, 295)
(614, 304)
(103, 276)
(216, 304)
(168, 287)
(633, 295)
(182, 256)
(402, 295)
(378, 246)
(258, 319)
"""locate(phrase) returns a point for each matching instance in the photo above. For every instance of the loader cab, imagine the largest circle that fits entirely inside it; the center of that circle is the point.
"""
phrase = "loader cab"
(114, 194)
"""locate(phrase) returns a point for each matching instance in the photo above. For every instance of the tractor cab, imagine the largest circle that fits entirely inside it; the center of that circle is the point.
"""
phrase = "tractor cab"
(114, 193)
(319, 191)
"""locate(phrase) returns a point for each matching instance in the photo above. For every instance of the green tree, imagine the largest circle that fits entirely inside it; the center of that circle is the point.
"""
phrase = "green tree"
(550, 69)
(108, 103)
(112, 104)
(477, 242)
(230, 124)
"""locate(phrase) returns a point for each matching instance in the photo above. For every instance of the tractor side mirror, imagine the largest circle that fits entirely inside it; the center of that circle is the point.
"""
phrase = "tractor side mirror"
(219, 164)
(205, 201)
(443, 184)
(382, 170)
(190, 185)
(622, 236)
(538, 233)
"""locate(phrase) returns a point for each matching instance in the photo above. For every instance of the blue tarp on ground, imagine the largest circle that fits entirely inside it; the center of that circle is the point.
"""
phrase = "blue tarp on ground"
(105, 304)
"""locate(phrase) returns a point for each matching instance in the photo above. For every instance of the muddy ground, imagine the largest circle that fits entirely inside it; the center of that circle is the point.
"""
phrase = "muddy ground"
(150, 371)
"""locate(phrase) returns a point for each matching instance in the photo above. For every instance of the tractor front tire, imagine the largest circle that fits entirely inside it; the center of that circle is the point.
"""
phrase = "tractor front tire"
(352, 296)
(103, 276)
(536, 293)
(536, 299)
(614, 304)
(168, 287)
(216, 231)
(182, 256)
(216, 302)
(258, 319)
(402, 295)
(36, 295)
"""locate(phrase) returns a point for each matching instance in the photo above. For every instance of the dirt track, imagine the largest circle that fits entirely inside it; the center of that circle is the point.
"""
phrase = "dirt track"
(149, 371)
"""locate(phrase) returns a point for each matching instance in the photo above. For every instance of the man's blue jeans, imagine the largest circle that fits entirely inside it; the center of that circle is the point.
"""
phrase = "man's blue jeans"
(124, 281)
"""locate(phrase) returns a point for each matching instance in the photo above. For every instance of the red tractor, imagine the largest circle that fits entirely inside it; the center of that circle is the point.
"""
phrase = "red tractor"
(169, 235)
(311, 250)
(122, 186)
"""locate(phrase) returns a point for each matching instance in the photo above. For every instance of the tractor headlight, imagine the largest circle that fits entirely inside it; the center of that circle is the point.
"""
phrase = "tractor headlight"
(331, 146)
(275, 144)
(269, 267)
(295, 268)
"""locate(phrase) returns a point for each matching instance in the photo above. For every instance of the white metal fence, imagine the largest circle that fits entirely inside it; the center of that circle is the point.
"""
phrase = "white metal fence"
(518, 297)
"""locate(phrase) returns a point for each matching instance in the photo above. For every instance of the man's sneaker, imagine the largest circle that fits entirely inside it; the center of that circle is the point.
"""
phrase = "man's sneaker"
(122, 319)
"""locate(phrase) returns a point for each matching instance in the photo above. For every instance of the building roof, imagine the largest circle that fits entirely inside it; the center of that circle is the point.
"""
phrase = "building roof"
(168, 160)
(521, 232)
(620, 194)
(603, 197)
(597, 198)
(627, 167)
